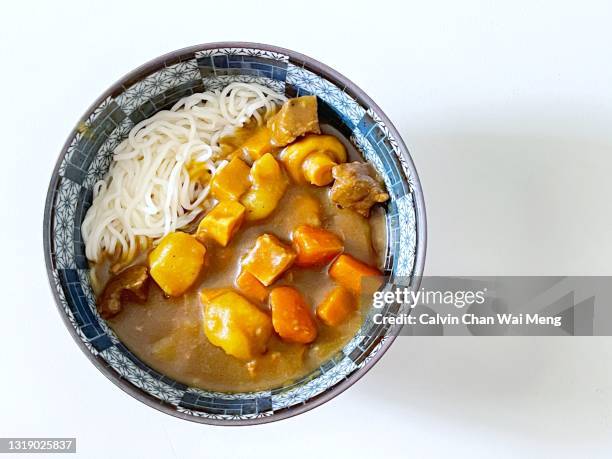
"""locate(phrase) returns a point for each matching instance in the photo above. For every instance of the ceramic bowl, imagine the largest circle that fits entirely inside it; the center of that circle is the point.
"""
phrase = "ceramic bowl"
(155, 86)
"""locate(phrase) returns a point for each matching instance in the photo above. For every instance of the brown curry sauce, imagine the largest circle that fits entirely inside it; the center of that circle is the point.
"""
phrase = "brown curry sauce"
(168, 335)
(189, 357)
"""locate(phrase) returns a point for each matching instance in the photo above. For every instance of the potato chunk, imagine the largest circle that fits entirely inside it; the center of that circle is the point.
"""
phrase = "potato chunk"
(258, 144)
(306, 210)
(236, 325)
(291, 316)
(315, 246)
(207, 294)
(222, 222)
(336, 307)
(176, 262)
(231, 181)
(268, 259)
(295, 118)
(269, 185)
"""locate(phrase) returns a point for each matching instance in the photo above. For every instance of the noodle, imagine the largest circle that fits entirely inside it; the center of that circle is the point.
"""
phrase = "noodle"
(148, 192)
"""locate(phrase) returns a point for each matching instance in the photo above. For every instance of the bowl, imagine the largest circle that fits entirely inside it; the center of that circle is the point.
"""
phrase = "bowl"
(157, 85)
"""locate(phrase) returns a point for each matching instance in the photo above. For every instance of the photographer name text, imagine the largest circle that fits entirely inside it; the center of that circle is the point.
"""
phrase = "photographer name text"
(467, 319)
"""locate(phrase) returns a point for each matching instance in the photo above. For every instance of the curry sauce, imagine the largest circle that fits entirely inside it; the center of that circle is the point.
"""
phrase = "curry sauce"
(167, 333)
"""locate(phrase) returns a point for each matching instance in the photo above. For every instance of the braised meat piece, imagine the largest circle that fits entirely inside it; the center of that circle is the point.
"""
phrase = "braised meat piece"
(357, 187)
(295, 118)
(130, 284)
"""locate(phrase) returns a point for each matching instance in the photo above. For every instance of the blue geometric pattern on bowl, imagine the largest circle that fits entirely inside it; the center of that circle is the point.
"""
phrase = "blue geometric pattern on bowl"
(86, 159)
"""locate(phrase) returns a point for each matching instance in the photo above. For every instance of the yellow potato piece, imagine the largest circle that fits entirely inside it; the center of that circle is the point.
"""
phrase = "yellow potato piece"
(176, 262)
(222, 222)
(269, 185)
(258, 144)
(261, 202)
(306, 210)
(236, 325)
(208, 294)
(231, 181)
(295, 155)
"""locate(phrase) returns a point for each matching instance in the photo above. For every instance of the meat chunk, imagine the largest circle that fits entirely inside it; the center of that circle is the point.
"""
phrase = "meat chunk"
(130, 284)
(357, 187)
(295, 118)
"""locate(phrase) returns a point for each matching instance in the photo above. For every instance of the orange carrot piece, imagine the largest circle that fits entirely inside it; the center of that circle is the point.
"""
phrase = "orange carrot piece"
(291, 316)
(251, 287)
(315, 246)
(354, 274)
(268, 259)
(336, 307)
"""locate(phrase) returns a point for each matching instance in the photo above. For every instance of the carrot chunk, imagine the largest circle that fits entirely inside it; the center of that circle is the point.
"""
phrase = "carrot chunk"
(251, 287)
(291, 316)
(336, 307)
(268, 259)
(354, 275)
(315, 246)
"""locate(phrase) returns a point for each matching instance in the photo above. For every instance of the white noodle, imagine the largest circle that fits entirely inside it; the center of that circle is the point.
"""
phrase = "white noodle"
(147, 192)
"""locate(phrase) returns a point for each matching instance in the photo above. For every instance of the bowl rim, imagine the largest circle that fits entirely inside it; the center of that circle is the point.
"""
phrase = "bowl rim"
(333, 76)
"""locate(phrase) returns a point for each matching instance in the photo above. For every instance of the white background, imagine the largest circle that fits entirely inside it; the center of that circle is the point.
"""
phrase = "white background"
(506, 108)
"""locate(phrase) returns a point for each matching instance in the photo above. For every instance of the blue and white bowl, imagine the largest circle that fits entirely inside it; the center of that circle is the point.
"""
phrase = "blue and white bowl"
(155, 86)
